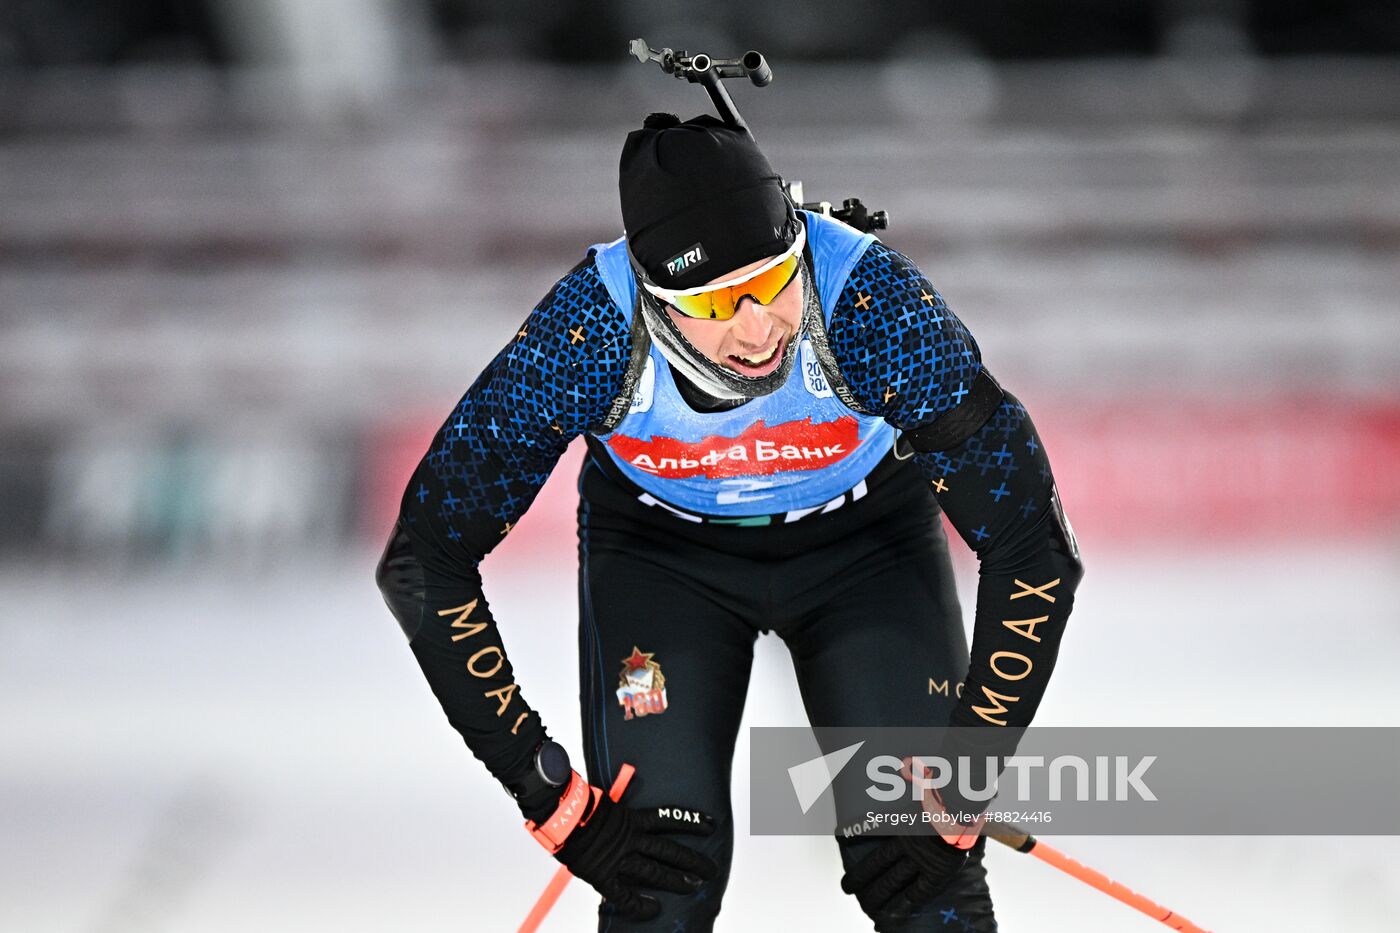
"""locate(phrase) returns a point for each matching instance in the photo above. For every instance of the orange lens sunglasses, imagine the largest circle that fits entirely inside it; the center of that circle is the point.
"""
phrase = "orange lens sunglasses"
(720, 301)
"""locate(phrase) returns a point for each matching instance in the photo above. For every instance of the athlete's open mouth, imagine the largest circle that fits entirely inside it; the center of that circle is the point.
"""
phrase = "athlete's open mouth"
(759, 364)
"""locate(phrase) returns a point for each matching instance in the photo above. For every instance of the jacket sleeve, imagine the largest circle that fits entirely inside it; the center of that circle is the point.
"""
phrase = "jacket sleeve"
(554, 380)
(908, 358)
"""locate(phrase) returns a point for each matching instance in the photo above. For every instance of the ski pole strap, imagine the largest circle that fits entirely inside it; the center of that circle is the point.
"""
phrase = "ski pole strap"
(569, 814)
(560, 881)
(957, 835)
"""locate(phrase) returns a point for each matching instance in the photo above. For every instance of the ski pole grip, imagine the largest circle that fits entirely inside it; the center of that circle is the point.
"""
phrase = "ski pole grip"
(1014, 839)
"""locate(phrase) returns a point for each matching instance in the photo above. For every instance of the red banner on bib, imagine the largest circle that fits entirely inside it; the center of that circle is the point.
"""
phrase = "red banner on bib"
(759, 451)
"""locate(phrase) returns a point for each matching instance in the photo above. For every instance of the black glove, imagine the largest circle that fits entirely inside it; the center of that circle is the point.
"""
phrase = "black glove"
(620, 851)
(903, 874)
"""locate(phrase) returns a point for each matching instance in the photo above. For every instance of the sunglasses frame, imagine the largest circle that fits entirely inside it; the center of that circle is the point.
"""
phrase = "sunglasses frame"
(669, 294)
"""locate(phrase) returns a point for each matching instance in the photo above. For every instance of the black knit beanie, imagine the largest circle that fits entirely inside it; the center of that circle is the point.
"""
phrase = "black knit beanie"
(699, 200)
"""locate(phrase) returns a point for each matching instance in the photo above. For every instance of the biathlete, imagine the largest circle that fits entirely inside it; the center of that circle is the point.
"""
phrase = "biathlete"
(776, 407)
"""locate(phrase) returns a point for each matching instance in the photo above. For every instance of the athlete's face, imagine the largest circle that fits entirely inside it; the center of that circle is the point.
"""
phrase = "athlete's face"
(754, 341)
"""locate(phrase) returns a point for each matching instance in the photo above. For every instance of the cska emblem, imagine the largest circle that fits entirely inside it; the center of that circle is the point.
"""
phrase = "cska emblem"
(641, 689)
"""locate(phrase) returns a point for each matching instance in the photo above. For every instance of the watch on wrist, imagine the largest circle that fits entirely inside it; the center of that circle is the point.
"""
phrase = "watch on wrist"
(550, 768)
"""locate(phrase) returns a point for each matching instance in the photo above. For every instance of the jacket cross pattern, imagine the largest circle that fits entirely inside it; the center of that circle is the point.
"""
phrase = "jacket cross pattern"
(905, 357)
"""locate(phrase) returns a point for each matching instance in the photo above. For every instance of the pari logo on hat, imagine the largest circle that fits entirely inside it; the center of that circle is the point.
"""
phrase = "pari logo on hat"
(692, 257)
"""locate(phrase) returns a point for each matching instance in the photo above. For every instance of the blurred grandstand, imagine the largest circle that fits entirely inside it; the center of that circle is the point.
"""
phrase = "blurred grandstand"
(236, 296)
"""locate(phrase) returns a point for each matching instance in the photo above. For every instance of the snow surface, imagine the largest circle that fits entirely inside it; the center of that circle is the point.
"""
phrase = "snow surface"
(193, 750)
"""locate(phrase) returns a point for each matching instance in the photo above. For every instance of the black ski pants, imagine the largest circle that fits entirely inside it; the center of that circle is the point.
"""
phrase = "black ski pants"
(863, 597)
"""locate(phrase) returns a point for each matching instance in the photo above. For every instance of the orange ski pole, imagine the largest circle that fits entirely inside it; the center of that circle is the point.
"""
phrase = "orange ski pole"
(1025, 842)
(561, 877)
